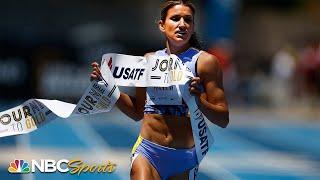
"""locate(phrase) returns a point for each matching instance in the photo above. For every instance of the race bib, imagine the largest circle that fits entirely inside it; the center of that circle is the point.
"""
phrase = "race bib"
(164, 95)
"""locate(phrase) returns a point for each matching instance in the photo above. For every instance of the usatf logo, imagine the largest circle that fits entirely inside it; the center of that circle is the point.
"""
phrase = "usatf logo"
(19, 166)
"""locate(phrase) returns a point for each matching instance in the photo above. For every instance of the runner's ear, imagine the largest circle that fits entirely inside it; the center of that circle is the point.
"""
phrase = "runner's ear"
(161, 26)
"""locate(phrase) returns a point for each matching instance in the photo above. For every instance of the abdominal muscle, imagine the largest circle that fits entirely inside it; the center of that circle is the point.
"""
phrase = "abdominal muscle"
(167, 130)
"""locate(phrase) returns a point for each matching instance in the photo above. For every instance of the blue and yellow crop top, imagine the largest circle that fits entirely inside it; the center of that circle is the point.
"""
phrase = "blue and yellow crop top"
(168, 100)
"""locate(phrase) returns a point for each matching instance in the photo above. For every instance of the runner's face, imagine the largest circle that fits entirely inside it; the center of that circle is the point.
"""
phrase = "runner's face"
(178, 25)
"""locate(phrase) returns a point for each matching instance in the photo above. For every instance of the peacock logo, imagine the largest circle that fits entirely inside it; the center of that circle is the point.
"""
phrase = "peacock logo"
(19, 166)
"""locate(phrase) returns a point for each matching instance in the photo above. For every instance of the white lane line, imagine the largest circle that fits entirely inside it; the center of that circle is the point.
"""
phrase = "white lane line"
(267, 162)
(23, 142)
(87, 134)
(210, 167)
(94, 140)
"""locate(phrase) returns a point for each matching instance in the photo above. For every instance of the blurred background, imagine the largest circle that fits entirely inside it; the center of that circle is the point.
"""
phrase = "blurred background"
(269, 51)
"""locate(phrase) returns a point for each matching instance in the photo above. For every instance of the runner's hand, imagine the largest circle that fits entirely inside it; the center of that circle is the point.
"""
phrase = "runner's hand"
(96, 73)
(195, 86)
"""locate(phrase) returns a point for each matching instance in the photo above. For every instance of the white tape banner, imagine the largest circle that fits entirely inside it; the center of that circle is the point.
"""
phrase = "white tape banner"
(152, 71)
(202, 136)
(32, 114)
(117, 70)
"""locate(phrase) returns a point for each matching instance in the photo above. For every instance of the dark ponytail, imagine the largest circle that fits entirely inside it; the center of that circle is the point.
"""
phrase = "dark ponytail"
(194, 41)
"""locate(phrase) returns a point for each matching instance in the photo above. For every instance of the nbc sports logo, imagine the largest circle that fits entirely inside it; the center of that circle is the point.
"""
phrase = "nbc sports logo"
(19, 166)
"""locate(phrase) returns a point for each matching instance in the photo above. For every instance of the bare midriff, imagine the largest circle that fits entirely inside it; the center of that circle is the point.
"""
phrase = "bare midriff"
(167, 130)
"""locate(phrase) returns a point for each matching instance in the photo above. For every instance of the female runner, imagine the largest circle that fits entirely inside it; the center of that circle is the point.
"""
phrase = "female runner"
(165, 148)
